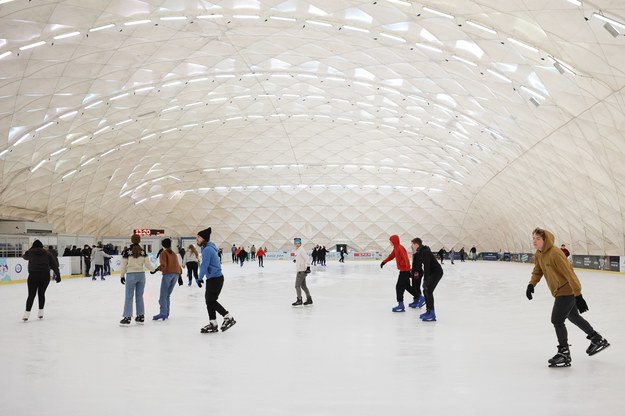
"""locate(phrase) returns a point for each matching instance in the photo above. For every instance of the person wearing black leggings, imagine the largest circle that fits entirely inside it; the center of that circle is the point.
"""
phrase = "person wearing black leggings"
(40, 262)
(425, 266)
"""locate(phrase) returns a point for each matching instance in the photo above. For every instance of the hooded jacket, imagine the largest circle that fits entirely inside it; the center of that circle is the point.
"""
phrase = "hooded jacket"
(552, 263)
(400, 255)
(424, 262)
(41, 261)
(210, 267)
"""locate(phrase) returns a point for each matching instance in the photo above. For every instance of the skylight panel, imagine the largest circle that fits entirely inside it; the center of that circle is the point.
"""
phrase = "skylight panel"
(316, 11)
(358, 15)
(425, 34)
(470, 47)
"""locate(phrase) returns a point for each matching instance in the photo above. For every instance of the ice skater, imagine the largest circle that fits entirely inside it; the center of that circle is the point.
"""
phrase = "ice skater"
(172, 273)
(302, 268)
(550, 262)
(40, 262)
(211, 269)
(134, 263)
(400, 255)
(191, 259)
(424, 265)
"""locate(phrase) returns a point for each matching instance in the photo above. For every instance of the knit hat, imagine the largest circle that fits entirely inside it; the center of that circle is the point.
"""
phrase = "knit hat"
(166, 243)
(135, 239)
(205, 234)
(297, 240)
(37, 244)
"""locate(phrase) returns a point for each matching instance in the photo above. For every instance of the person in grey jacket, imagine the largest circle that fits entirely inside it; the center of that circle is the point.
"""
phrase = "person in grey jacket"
(97, 257)
(40, 262)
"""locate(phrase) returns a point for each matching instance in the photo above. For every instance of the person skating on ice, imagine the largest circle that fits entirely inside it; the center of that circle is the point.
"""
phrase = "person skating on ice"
(172, 273)
(134, 263)
(40, 262)
(550, 262)
(191, 260)
(424, 265)
(302, 269)
(210, 268)
(400, 255)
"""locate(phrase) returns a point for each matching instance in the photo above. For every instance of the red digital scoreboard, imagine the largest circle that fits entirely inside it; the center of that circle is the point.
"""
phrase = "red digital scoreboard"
(148, 231)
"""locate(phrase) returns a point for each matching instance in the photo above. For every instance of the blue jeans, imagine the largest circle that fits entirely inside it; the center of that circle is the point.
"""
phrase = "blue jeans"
(135, 285)
(168, 282)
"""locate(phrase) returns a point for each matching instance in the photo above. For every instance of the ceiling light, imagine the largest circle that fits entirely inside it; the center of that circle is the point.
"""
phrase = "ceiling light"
(429, 48)
(32, 45)
(88, 161)
(174, 18)
(436, 12)
(245, 16)
(144, 89)
(67, 115)
(532, 92)
(70, 173)
(609, 20)
(80, 139)
(286, 19)
(67, 35)
(314, 22)
(37, 166)
(523, 44)
(498, 75)
(481, 27)
(611, 29)
(93, 104)
(45, 126)
(137, 22)
(107, 152)
(393, 37)
(355, 29)
(210, 16)
(464, 60)
(197, 79)
(59, 151)
(575, 2)
(5, 1)
(5, 54)
(195, 104)
(117, 97)
(403, 3)
(2, 153)
(96, 29)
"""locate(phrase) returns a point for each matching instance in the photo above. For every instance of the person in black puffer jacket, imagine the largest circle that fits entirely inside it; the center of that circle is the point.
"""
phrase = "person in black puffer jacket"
(40, 262)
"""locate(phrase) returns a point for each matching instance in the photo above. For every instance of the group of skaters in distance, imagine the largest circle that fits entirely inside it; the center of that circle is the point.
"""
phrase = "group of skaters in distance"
(550, 262)
(240, 255)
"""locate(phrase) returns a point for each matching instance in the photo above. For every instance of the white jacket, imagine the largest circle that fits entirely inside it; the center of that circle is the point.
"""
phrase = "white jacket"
(302, 260)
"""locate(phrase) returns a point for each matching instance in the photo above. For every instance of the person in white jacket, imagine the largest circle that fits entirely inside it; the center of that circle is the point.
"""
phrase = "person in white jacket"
(302, 267)
(134, 263)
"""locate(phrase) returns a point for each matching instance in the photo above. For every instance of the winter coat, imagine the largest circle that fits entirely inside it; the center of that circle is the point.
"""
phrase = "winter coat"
(552, 263)
(424, 262)
(400, 255)
(169, 262)
(210, 267)
(41, 261)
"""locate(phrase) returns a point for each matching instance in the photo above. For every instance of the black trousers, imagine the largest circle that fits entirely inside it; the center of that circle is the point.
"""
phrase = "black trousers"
(100, 268)
(564, 308)
(191, 270)
(429, 284)
(260, 261)
(403, 284)
(37, 284)
(416, 286)
(213, 289)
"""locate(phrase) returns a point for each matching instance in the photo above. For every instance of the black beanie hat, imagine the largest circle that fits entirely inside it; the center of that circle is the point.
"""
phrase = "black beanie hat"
(205, 234)
(37, 244)
(166, 242)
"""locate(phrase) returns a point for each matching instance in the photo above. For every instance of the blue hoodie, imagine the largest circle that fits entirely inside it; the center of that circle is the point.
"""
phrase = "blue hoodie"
(210, 267)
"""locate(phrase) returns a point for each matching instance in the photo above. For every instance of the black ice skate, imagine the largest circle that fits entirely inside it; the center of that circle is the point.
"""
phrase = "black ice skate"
(125, 321)
(209, 329)
(140, 319)
(308, 302)
(562, 358)
(298, 302)
(597, 343)
(227, 323)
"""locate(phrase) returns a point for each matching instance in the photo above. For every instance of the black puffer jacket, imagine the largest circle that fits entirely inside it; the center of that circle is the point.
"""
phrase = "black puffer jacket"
(41, 261)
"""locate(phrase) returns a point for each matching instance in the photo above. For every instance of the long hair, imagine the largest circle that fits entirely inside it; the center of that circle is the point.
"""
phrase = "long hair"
(137, 250)
(193, 250)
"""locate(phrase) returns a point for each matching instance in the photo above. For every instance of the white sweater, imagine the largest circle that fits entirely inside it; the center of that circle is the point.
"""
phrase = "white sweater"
(136, 265)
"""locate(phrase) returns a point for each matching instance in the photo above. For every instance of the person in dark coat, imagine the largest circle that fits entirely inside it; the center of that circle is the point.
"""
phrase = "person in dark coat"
(40, 262)
(425, 266)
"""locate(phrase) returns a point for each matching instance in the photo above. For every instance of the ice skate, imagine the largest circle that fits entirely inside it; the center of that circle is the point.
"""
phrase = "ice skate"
(429, 316)
(209, 329)
(40, 314)
(562, 358)
(125, 321)
(159, 316)
(597, 343)
(140, 319)
(399, 307)
(308, 302)
(418, 303)
(298, 302)
(227, 323)
(26, 316)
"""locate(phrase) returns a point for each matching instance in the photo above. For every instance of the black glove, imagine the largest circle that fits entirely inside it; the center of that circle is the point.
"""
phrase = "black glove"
(180, 282)
(158, 269)
(308, 270)
(199, 282)
(581, 304)
(57, 279)
(381, 265)
(123, 280)
(293, 260)
(529, 291)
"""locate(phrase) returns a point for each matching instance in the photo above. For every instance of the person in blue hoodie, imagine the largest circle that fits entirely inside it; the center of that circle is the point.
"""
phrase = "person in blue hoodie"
(210, 268)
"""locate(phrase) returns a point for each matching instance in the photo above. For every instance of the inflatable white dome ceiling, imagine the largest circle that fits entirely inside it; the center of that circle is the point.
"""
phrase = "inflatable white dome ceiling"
(461, 122)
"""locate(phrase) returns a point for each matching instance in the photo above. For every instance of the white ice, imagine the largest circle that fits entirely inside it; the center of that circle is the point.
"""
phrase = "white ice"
(346, 355)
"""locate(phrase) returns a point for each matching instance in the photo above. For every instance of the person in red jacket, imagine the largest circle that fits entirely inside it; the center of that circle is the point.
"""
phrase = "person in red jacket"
(403, 265)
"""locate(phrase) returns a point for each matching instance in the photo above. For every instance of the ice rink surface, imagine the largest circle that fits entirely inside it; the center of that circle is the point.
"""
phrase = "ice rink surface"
(346, 355)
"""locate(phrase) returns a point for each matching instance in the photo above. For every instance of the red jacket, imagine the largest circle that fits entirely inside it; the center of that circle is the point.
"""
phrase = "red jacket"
(399, 254)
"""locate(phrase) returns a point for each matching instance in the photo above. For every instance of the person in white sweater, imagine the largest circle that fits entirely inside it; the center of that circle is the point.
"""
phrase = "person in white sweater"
(191, 261)
(134, 263)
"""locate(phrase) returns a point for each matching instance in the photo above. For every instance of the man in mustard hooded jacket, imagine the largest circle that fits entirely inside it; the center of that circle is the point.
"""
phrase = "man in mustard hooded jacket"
(550, 262)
